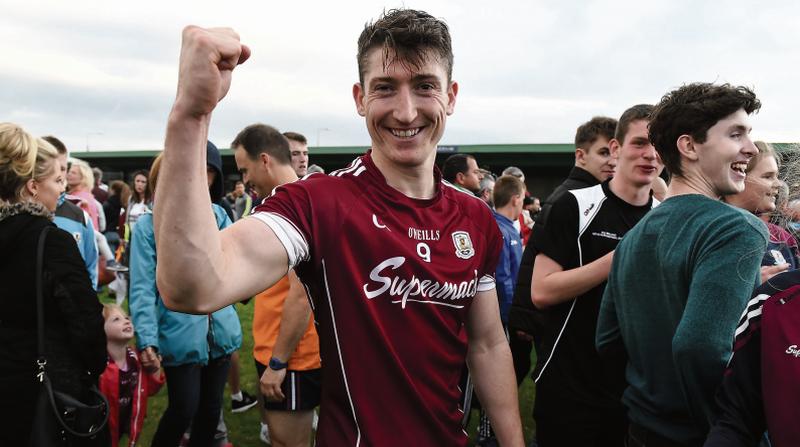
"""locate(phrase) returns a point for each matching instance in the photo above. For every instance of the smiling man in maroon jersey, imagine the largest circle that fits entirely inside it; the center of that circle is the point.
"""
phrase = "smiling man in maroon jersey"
(399, 266)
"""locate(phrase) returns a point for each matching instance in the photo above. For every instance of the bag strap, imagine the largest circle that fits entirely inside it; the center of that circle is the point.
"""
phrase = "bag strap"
(40, 361)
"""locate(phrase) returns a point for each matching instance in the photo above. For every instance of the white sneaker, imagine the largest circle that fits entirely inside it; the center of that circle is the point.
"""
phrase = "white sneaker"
(264, 435)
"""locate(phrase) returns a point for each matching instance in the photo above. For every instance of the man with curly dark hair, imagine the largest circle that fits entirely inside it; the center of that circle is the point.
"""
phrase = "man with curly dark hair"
(681, 278)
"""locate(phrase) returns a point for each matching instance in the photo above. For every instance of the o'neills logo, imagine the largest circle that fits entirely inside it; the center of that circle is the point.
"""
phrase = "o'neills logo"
(425, 289)
(792, 350)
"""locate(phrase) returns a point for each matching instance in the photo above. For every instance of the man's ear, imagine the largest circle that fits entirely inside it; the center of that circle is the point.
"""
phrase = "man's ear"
(687, 147)
(265, 160)
(358, 97)
(613, 147)
(580, 156)
(452, 92)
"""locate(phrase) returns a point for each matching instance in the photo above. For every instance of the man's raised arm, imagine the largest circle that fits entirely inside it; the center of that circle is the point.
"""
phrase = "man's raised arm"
(201, 269)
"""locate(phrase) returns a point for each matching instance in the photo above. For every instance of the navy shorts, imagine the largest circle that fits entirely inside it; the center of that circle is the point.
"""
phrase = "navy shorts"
(302, 389)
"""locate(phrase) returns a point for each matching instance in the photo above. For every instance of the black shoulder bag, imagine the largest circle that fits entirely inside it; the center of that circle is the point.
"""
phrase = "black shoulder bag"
(61, 419)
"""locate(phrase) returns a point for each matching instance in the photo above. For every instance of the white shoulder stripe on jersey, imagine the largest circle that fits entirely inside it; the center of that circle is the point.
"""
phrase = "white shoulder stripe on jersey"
(353, 166)
(339, 352)
(293, 241)
(486, 283)
(752, 310)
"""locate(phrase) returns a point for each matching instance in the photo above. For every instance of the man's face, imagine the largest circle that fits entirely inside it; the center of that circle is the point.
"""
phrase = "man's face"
(637, 160)
(405, 111)
(487, 192)
(597, 159)
(239, 189)
(299, 157)
(253, 172)
(722, 159)
(471, 179)
(62, 163)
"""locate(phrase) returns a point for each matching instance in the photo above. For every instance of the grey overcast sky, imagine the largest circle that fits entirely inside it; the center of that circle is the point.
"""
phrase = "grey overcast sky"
(103, 73)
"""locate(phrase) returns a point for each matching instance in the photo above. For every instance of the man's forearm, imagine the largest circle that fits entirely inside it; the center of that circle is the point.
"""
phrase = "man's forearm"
(561, 286)
(495, 383)
(294, 321)
(187, 237)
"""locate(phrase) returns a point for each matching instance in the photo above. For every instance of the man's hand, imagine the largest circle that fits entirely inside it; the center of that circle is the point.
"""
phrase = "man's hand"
(768, 271)
(271, 382)
(208, 57)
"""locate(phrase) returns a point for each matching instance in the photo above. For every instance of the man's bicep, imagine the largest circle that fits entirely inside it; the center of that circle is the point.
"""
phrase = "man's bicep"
(255, 258)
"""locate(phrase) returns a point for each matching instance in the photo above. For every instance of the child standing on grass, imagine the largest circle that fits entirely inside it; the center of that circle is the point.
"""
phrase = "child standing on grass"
(126, 383)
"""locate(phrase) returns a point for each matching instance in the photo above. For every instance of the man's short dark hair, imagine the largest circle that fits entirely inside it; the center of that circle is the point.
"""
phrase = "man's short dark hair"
(258, 138)
(60, 147)
(588, 132)
(455, 164)
(691, 110)
(294, 136)
(505, 188)
(636, 113)
(406, 35)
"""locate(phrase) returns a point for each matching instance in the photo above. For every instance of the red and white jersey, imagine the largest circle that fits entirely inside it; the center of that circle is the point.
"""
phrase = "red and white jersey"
(391, 281)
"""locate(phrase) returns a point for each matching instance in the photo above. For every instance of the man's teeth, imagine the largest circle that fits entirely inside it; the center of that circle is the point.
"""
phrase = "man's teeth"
(405, 133)
(739, 166)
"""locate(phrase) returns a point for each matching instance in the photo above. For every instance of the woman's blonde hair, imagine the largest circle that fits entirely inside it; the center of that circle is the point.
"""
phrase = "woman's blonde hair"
(764, 150)
(87, 176)
(22, 157)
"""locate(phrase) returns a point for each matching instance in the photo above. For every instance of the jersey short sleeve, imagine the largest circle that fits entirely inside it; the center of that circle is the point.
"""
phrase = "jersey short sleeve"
(288, 213)
(558, 240)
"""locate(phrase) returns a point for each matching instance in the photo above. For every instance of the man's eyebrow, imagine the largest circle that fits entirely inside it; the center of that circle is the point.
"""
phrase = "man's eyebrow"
(416, 78)
(740, 127)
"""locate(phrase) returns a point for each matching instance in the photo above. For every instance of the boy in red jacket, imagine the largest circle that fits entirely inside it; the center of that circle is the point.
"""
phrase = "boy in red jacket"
(126, 383)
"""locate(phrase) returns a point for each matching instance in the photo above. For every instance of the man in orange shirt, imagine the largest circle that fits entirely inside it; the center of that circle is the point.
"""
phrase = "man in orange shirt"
(290, 377)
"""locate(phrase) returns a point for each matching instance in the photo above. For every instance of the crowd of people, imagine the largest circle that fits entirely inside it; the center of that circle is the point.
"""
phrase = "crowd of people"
(391, 296)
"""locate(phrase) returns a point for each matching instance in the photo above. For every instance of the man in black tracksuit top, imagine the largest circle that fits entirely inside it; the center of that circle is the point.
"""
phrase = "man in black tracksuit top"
(577, 394)
(593, 164)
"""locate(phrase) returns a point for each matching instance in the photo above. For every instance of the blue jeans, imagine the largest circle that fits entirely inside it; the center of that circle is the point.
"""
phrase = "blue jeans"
(195, 399)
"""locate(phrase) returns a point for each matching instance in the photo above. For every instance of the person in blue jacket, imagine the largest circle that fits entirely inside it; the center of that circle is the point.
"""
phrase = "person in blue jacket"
(72, 219)
(195, 350)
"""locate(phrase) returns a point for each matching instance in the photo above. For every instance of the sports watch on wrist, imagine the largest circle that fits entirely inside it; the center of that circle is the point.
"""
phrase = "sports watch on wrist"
(277, 365)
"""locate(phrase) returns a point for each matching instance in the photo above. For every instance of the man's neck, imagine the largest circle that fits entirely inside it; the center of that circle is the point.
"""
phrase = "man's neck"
(285, 174)
(634, 194)
(118, 352)
(416, 182)
(683, 185)
(509, 212)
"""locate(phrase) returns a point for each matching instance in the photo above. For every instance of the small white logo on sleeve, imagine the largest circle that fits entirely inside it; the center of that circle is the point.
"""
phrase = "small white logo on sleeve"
(792, 350)
(463, 243)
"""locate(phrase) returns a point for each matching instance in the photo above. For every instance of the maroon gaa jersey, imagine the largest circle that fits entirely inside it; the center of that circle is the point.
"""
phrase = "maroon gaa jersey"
(391, 280)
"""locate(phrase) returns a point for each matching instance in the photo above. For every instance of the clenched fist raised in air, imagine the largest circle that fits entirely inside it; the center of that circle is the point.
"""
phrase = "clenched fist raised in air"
(208, 57)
